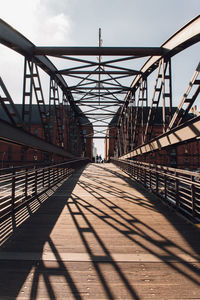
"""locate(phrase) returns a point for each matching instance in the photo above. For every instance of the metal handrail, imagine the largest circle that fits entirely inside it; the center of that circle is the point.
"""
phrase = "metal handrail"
(179, 188)
(23, 185)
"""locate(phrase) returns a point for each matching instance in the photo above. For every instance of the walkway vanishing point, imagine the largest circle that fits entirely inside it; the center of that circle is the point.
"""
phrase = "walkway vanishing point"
(101, 236)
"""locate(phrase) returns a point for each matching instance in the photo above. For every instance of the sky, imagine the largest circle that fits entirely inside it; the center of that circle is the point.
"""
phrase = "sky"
(76, 23)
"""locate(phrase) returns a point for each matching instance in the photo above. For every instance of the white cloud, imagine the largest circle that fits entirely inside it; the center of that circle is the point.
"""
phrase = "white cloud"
(37, 21)
(20, 14)
(55, 30)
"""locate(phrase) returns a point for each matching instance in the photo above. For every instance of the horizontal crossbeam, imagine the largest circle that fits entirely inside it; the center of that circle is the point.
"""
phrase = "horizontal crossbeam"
(95, 72)
(120, 88)
(118, 51)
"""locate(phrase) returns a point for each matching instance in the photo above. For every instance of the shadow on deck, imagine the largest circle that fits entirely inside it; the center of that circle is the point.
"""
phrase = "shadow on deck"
(101, 236)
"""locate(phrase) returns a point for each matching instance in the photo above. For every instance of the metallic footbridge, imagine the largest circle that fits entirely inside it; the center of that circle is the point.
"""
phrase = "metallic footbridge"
(71, 228)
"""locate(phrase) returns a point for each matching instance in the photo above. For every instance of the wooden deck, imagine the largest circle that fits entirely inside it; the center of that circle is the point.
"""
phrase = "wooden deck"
(101, 236)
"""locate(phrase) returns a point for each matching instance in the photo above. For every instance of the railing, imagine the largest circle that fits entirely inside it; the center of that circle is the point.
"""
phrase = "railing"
(22, 185)
(180, 188)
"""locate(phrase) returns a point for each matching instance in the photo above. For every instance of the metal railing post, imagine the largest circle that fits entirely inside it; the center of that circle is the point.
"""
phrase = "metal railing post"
(13, 191)
(49, 170)
(165, 185)
(57, 175)
(53, 174)
(35, 183)
(43, 173)
(193, 197)
(26, 184)
(145, 176)
(177, 190)
(150, 177)
(157, 180)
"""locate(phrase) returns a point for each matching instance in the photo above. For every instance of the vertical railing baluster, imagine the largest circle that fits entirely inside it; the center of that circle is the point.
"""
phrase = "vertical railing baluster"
(177, 190)
(26, 184)
(53, 174)
(49, 179)
(150, 177)
(165, 185)
(13, 191)
(145, 176)
(57, 174)
(157, 180)
(193, 196)
(43, 181)
(35, 182)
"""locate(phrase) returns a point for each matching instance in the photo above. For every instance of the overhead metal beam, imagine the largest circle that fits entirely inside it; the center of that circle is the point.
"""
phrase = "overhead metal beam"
(97, 102)
(119, 88)
(114, 51)
(181, 134)
(14, 40)
(14, 135)
(95, 72)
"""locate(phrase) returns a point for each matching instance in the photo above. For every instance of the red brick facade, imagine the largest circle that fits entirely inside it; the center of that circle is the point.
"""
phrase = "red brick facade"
(13, 155)
(185, 156)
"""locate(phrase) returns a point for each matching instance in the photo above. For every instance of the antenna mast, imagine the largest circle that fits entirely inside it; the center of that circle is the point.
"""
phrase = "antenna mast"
(100, 45)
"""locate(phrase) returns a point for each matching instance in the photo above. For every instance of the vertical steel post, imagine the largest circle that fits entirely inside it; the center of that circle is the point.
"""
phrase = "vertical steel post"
(165, 185)
(166, 93)
(157, 180)
(193, 197)
(35, 183)
(177, 190)
(26, 184)
(145, 176)
(27, 94)
(43, 174)
(13, 191)
(53, 174)
(49, 176)
(150, 177)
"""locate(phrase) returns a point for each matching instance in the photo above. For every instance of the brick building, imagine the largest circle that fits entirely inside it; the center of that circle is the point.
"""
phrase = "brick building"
(73, 137)
(185, 156)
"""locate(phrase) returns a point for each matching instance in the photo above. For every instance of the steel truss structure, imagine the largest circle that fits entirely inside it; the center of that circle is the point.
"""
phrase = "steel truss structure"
(176, 129)
(100, 83)
(52, 113)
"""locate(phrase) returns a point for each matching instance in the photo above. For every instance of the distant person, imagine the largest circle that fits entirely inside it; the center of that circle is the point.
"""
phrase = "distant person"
(97, 158)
